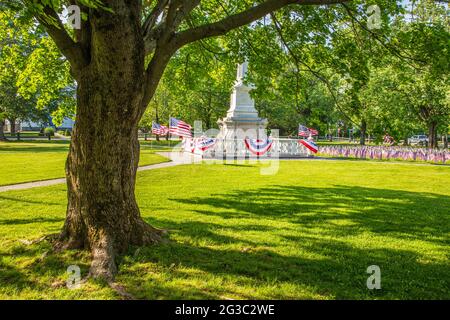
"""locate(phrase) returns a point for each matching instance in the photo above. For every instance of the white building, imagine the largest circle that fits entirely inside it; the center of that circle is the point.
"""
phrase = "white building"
(27, 125)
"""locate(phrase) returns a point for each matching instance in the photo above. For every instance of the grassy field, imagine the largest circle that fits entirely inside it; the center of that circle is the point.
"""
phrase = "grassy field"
(42, 160)
(308, 232)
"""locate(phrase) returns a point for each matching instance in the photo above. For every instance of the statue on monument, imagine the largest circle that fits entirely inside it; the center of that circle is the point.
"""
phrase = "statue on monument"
(242, 71)
(242, 115)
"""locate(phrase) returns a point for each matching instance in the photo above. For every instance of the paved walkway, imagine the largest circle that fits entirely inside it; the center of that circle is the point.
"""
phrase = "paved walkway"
(177, 158)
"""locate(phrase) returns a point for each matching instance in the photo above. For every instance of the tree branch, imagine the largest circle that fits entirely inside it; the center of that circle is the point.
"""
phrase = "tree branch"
(153, 16)
(154, 72)
(240, 19)
(68, 47)
(387, 46)
(317, 74)
(173, 41)
(177, 11)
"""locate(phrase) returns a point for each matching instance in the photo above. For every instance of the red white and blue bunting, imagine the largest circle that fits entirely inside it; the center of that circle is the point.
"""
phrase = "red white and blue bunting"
(310, 145)
(204, 143)
(198, 145)
(257, 146)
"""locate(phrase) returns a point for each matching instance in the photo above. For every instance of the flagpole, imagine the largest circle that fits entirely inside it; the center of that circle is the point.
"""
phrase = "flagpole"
(168, 133)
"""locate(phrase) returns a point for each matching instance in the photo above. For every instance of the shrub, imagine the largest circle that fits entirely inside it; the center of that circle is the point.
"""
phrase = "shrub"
(67, 133)
(49, 131)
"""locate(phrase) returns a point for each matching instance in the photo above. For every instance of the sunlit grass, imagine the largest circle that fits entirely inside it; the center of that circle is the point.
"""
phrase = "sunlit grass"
(33, 161)
(308, 232)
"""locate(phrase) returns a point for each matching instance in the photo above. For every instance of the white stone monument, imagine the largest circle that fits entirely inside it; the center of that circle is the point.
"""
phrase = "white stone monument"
(242, 119)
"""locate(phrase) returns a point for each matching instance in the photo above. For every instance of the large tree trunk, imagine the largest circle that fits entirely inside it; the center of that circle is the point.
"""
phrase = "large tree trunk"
(405, 140)
(102, 213)
(362, 139)
(12, 130)
(2, 130)
(432, 135)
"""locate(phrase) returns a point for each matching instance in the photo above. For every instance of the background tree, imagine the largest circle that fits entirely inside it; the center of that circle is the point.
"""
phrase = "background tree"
(425, 81)
(2, 125)
(409, 92)
(34, 80)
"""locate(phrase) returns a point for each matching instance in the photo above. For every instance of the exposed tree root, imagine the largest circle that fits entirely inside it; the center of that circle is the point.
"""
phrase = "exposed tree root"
(50, 237)
(121, 291)
(105, 249)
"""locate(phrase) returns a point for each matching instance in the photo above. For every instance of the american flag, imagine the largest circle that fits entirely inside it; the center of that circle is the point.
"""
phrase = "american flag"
(179, 128)
(303, 131)
(313, 132)
(159, 130)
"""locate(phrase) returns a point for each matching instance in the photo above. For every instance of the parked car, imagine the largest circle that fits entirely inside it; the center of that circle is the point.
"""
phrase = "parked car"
(419, 139)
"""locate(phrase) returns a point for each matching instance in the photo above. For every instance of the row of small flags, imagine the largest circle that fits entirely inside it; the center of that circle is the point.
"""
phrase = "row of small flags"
(176, 127)
(304, 131)
(387, 153)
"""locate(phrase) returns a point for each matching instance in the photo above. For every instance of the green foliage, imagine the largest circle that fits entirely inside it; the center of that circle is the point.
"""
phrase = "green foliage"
(35, 81)
(49, 131)
(410, 93)
(315, 65)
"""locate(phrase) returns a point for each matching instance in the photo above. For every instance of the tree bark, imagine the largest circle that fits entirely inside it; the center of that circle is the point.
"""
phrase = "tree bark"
(12, 130)
(2, 130)
(405, 141)
(432, 135)
(445, 138)
(362, 139)
(102, 213)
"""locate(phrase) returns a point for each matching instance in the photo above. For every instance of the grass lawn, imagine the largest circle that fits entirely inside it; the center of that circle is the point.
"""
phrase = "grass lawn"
(43, 160)
(308, 232)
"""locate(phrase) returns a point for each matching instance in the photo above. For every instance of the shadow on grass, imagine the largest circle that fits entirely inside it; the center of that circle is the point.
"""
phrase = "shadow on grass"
(45, 270)
(36, 149)
(19, 199)
(392, 212)
(336, 269)
(238, 165)
(341, 274)
(30, 221)
(323, 264)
